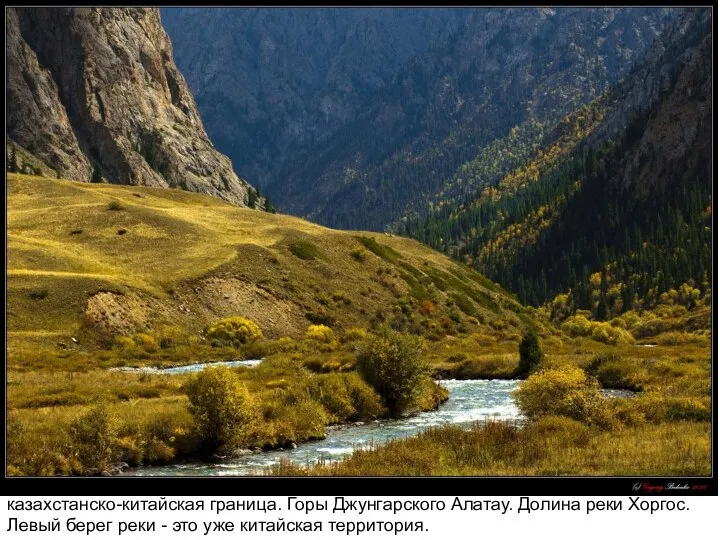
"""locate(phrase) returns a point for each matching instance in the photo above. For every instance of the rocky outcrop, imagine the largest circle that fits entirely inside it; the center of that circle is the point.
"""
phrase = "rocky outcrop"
(35, 116)
(666, 103)
(97, 88)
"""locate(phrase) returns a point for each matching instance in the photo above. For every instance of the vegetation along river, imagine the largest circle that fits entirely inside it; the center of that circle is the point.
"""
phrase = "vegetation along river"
(469, 401)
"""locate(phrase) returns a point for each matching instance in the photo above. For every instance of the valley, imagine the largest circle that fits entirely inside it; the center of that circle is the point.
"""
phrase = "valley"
(499, 262)
(85, 299)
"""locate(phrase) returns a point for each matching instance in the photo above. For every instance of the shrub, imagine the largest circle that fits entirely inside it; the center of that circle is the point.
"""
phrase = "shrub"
(286, 344)
(688, 408)
(320, 317)
(651, 328)
(38, 295)
(579, 326)
(145, 342)
(305, 250)
(617, 374)
(354, 334)
(332, 394)
(566, 391)
(222, 408)
(530, 353)
(680, 338)
(393, 364)
(561, 430)
(658, 408)
(304, 419)
(465, 305)
(347, 396)
(340, 296)
(627, 412)
(319, 332)
(93, 437)
(237, 330)
(359, 254)
(366, 401)
(115, 206)
(171, 336)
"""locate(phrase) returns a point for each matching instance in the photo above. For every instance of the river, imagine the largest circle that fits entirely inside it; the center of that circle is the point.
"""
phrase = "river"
(469, 401)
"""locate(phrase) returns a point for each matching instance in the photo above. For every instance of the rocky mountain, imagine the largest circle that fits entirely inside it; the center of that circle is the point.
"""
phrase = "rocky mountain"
(94, 92)
(356, 117)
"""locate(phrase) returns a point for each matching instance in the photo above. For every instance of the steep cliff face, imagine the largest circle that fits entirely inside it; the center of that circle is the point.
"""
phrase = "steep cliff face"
(666, 101)
(273, 80)
(97, 88)
(35, 116)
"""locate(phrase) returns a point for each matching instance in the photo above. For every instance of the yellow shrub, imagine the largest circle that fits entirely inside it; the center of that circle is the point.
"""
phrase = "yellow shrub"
(234, 329)
(170, 336)
(566, 391)
(145, 342)
(222, 408)
(354, 334)
(286, 344)
(320, 332)
(577, 326)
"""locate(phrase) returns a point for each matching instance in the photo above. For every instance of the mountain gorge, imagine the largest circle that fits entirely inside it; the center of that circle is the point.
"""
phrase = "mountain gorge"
(93, 93)
(354, 118)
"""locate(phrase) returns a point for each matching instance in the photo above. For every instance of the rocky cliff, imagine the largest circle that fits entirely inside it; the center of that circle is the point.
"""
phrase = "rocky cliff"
(666, 101)
(95, 92)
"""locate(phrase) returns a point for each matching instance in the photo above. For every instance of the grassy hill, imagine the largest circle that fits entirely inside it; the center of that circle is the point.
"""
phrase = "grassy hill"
(93, 261)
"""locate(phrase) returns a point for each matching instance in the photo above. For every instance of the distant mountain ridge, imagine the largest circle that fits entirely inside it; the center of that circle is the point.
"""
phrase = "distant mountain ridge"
(355, 117)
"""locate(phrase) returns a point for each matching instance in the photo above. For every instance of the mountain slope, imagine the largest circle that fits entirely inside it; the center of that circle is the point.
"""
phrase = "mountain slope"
(616, 205)
(96, 261)
(371, 127)
(272, 80)
(94, 92)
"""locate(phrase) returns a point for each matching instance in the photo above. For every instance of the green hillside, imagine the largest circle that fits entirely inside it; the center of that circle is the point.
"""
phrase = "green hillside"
(105, 276)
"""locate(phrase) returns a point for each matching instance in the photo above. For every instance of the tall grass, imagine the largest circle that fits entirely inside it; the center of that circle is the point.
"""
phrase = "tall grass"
(555, 447)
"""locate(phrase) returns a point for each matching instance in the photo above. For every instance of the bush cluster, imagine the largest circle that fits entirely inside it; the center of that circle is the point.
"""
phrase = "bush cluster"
(579, 326)
(234, 330)
(393, 364)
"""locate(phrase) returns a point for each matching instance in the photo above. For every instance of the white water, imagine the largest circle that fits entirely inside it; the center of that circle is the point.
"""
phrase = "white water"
(469, 401)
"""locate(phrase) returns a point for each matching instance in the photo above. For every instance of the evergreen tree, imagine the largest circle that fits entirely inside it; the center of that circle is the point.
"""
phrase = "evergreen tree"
(252, 198)
(12, 162)
(530, 353)
(96, 175)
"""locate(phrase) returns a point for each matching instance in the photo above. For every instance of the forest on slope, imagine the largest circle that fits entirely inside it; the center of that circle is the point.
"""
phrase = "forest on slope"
(615, 207)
